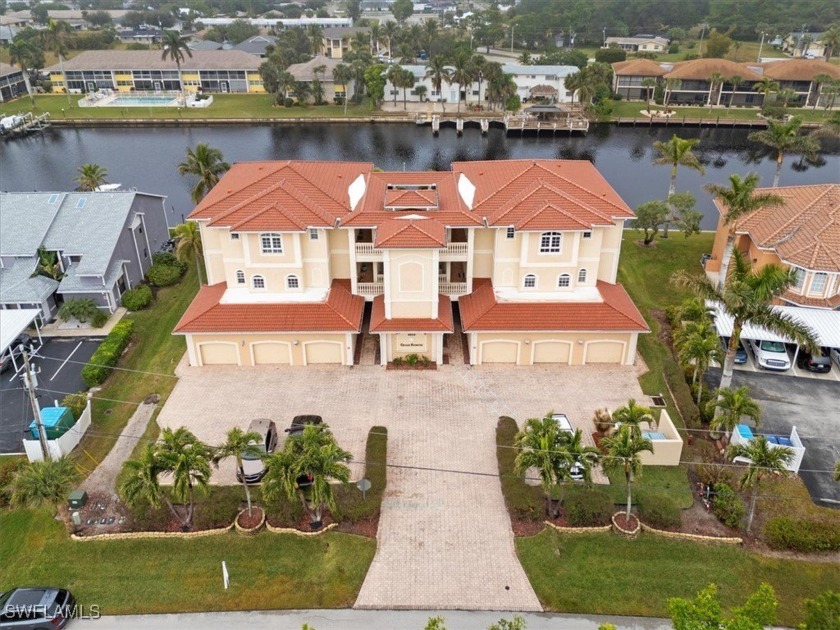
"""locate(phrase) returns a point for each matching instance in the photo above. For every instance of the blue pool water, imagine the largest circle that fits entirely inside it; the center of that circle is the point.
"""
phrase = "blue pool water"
(142, 101)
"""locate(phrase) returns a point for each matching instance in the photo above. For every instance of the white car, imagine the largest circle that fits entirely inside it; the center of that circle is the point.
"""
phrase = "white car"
(835, 356)
(770, 355)
(576, 472)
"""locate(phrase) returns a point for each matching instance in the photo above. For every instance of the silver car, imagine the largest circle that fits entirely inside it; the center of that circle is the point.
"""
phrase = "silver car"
(253, 466)
(36, 608)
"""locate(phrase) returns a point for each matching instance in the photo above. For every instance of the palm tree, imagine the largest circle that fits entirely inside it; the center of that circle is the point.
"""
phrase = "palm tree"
(285, 84)
(831, 40)
(837, 471)
(375, 37)
(623, 449)
(820, 81)
(573, 83)
(766, 87)
(540, 446)
(764, 459)
(315, 35)
(22, 52)
(140, 482)
(715, 86)
(389, 32)
(188, 245)
(493, 75)
(462, 74)
(437, 71)
(675, 153)
(44, 483)
(586, 457)
(393, 77)
(239, 444)
(187, 459)
(301, 91)
(735, 80)
(479, 65)
(746, 295)
(633, 415)
(738, 200)
(90, 177)
(670, 86)
(317, 88)
(785, 96)
(830, 128)
(342, 75)
(315, 455)
(174, 46)
(730, 406)
(694, 309)
(48, 264)
(405, 80)
(782, 137)
(207, 164)
(53, 39)
(648, 83)
(698, 345)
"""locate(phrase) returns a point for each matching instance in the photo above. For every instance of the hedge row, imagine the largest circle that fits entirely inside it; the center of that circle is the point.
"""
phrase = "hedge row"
(588, 507)
(107, 354)
(524, 502)
(802, 535)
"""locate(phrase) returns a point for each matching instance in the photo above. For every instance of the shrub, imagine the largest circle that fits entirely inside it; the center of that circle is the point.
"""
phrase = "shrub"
(76, 403)
(773, 111)
(8, 467)
(682, 393)
(588, 507)
(658, 510)
(352, 506)
(107, 354)
(513, 103)
(163, 275)
(99, 318)
(137, 298)
(412, 359)
(81, 310)
(610, 55)
(602, 420)
(690, 56)
(795, 534)
(674, 48)
(288, 102)
(727, 505)
(523, 502)
(167, 259)
(713, 474)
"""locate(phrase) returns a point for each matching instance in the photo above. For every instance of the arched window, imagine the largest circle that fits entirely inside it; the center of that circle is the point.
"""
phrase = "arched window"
(581, 276)
(271, 243)
(258, 282)
(530, 281)
(551, 242)
(564, 280)
(240, 277)
(292, 282)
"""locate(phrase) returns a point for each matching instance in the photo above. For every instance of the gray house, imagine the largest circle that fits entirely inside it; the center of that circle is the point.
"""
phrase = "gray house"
(104, 243)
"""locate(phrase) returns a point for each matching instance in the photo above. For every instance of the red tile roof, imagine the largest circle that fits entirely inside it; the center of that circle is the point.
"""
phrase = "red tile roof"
(703, 69)
(799, 69)
(411, 233)
(831, 302)
(443, 322)
(480, 310)
(531, 194)
(409, 199)
(342, 312)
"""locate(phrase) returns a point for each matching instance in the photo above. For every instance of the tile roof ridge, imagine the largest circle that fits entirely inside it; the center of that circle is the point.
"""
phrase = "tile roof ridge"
(590, 192)
(272, 206)
(343, 203)
(615, 288)
(801, 217)
(308, 202)
(245, 202)
(201, 309)
(549, 204)
(499, 188)
(344, 294)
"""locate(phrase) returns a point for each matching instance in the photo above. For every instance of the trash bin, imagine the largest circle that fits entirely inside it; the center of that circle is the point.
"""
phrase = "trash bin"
(56, 420)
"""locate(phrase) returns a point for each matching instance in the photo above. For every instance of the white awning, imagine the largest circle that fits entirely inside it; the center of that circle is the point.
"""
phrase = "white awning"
(824, 323)
(13, 322)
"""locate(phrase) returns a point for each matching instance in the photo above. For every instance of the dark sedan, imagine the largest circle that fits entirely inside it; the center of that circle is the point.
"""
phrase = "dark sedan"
(818, 364)
(740, 353)
(35, 608)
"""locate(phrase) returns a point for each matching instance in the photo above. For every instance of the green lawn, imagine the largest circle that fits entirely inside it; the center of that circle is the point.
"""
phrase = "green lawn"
(669, 481)
(631, 109)
(154, 350)
(245, 106)
(606, 574)
(127, 577)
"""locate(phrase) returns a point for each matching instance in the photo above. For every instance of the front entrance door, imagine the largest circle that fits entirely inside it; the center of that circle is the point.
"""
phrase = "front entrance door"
(91, 86)
(224, 86)
(158, 87)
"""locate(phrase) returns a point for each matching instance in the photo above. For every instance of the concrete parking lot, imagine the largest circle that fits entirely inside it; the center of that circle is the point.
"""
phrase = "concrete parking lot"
(60, 363)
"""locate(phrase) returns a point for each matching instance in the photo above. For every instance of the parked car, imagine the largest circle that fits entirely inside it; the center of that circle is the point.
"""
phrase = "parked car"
(740, 352)
(834, 353)
(16, 348)
(253, 467)
(770, 355)
(299, 422)
(819, 364)
(36, 608)
(576, 471)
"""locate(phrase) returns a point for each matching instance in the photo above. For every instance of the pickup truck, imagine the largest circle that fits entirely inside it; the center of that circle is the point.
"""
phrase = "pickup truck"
(770, 355)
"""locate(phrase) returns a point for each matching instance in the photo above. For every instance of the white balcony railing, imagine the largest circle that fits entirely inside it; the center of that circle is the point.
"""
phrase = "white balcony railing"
(453, 249)
(370, 289)
(453, 288)
(456, 249)
(367, 248)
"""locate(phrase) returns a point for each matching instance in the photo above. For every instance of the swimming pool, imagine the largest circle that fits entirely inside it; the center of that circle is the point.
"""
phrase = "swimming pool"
(142, 101)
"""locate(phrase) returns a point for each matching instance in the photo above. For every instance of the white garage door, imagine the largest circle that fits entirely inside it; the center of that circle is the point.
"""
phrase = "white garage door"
(272, 353)
(499, 351)
(551, 351)
(218, 354)
(323, 352)
(604, 352)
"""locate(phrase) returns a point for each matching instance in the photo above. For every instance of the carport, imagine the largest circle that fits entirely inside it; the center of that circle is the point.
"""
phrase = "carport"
(824, 323)
(12, 323)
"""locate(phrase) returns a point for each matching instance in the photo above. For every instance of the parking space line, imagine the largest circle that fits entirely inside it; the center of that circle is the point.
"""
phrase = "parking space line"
(60, 367)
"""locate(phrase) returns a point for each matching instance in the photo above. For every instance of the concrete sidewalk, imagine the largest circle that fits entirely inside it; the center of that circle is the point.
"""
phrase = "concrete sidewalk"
(367, 619)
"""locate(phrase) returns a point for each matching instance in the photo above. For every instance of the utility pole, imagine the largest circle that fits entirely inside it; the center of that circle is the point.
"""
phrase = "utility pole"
(760, 46)
(702, 33)
(30, 382)
(513, 26)
(605, 37)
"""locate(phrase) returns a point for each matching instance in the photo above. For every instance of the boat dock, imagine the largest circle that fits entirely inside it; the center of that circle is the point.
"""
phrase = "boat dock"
(534, 120)
(24, 124)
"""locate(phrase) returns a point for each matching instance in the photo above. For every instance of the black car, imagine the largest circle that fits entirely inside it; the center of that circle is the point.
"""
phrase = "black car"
(819, 364)
(22, 342)
(740, 352)
(299, 422)
(31, 608)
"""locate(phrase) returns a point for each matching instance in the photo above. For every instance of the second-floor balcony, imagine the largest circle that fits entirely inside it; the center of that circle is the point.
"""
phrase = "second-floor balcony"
(452, 250)
(372, 289)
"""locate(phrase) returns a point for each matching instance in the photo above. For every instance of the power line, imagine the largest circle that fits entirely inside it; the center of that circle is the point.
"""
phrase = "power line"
(121, 369)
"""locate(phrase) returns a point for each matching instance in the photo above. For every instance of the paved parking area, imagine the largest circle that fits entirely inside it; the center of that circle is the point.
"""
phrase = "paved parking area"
(752, 367)
(60, 363)
(444, 540)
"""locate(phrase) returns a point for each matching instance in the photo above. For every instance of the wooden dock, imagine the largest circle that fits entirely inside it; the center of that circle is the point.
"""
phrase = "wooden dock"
(711, 121)
(25, 124)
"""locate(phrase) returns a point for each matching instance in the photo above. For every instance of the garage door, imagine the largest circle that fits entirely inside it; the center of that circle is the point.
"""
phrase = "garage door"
(272, 353)
(218, 354)
(499, 352)
(604, 352)
(322, 352)
(552, 351)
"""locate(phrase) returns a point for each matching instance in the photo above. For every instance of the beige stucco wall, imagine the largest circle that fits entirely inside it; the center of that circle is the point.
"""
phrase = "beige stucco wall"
(667, 452)
(275, 348)
(483, 252)
(572, 348)
(411, 287)
(403, 344)
(339, 248)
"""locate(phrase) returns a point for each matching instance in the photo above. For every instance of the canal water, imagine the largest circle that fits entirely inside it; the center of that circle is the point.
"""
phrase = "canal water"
(147, 158)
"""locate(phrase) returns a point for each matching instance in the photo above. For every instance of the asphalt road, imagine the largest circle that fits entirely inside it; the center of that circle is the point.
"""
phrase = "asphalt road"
(813, 407)
(59, 361)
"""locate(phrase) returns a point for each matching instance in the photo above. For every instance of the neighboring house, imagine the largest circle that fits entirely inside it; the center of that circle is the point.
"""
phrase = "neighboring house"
(799, 44)
(279, 23)
(257, 45)
(12, 84)
(147, 36)
(305, 72)
(75, 18)
(799, 74)
(638, 43)
(337, 41)
(529, 77)
(128, 70)
(204, 44)
(802, 234)
(7, 33)
(692, 83)
(519, 255)
(376, 5)
(629, 77)
(104, 242)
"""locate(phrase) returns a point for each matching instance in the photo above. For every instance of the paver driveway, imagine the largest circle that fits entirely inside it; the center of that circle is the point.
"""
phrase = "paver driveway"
(445, 540)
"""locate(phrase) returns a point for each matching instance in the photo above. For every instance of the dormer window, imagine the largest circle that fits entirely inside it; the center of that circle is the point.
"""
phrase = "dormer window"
(411, 197)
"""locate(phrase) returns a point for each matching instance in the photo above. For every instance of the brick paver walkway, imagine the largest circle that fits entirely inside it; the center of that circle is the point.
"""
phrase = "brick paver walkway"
(445, 540)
